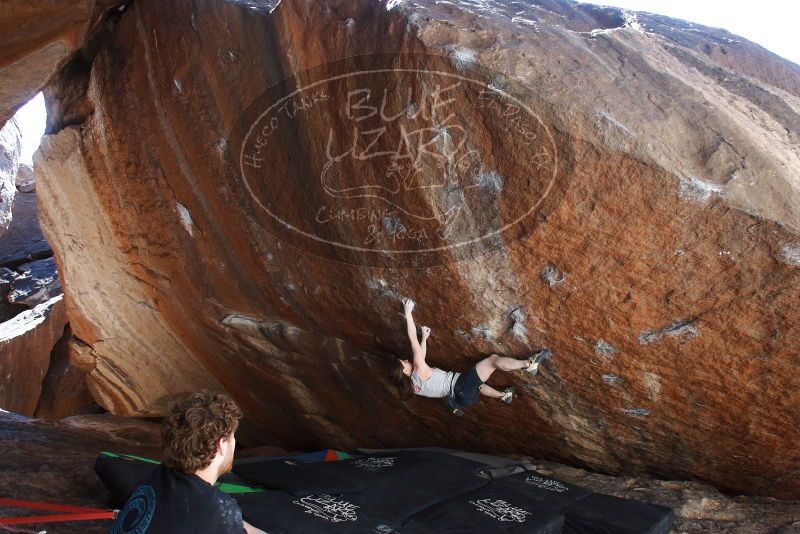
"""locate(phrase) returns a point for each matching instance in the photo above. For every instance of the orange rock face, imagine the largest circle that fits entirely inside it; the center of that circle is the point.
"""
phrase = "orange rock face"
(618, 188)
(38, 39)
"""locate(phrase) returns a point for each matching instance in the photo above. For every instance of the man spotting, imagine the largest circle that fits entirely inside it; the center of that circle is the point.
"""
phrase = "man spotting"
(180, 497)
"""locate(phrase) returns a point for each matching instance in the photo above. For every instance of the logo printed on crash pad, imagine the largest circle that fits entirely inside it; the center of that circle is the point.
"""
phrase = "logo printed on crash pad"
(375, 465)
(329, 508)
(135, 516)
(546, 484)
(500, 510)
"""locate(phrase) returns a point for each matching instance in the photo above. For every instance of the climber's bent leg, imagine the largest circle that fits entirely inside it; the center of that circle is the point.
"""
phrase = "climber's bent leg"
(489, 365)
(488, 391)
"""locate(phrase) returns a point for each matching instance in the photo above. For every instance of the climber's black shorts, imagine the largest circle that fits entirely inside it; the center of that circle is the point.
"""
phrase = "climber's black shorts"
(467, 388)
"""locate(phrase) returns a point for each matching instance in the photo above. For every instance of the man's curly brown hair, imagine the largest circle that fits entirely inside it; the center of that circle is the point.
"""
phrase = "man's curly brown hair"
(193, 426)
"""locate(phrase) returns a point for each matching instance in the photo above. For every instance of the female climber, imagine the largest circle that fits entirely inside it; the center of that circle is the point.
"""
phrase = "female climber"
(461, 389)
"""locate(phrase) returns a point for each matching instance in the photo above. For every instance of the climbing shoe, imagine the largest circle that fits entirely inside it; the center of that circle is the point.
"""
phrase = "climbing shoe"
(508, 394)
(453, 408)
(535, 359)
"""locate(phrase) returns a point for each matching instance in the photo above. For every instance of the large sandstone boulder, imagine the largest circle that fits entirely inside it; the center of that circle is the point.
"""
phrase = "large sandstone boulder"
(618, 187)
(25, 345)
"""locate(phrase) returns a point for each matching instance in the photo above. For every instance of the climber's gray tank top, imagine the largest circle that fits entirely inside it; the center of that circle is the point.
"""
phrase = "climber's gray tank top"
(440, 384)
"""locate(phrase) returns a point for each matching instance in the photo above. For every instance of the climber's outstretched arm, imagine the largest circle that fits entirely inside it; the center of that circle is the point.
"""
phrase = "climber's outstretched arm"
(411, 328)
(419, 350)
(424, 343)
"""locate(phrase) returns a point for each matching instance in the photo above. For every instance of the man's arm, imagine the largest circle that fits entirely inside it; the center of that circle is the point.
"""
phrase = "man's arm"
(250, 529)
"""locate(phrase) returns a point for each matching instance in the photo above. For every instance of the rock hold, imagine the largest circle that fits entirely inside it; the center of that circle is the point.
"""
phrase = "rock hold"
(604, 348)
(552, 276)
(682, 328)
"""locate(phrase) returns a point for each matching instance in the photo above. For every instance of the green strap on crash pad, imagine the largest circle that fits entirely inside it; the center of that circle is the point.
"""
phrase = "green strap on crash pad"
(129, 457)
(224, 487)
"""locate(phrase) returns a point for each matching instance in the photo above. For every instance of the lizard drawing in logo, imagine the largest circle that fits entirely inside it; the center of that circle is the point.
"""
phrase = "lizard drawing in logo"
(418, 164)
(546, 484)
(375, 465)
(329, 508)
(501, 510)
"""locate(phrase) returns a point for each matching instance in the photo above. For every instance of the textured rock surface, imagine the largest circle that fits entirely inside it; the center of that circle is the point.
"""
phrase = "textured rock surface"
(49, 462)
(25, 345)
(698, 507)
(38, 38)
(25, 181)
(36, 283)
(8, 310)
(10, 138)
(662, 270)
(45, 462)
(23, 241)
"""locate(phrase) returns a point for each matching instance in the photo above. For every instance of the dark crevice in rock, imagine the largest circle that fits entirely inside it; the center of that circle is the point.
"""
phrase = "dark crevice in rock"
(64, 389)
(9, 311)
(58, 356)
(16, 262)
(65, 97)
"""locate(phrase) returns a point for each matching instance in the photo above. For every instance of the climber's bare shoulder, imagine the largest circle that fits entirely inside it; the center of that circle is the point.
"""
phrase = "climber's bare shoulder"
(423, 370)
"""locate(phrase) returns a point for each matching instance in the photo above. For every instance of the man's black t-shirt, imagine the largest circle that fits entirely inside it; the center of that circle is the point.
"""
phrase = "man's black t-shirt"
(172, 502)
